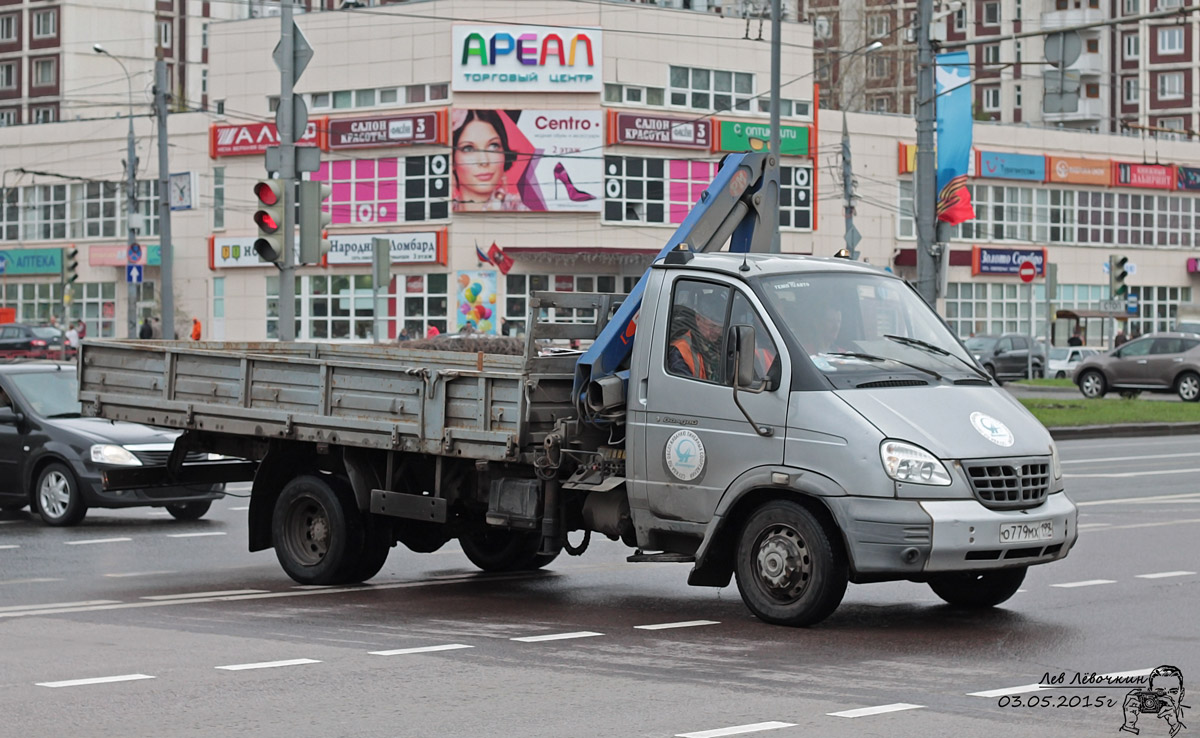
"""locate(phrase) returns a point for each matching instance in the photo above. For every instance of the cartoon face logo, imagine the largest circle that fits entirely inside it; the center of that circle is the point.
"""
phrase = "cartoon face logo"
(1162, 698)
(684, 455)
(992, 429)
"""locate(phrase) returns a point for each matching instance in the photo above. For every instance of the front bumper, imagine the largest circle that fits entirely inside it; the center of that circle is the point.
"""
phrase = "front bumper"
(911, 539)
(97, 496)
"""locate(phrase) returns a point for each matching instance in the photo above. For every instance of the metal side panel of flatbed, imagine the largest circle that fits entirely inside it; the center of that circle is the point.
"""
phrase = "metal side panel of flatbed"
(481, 406)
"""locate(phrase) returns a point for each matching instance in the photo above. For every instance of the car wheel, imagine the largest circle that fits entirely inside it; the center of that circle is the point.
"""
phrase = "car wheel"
(789, 570)
(991, 370)
(1060, 375)
(317, 531)
(1188, 386)
(1092, 385)
(504, 550)
(57, 496)
(189, 510)
(978, 589)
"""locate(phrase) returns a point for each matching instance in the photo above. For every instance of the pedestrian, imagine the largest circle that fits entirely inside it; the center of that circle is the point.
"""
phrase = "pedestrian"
(433, 332)
(82, 328)
(404, 335)
(156, 328)
(1076, 338)
(146, 332)
(196, 329)
(72, 338)
(1120, 338)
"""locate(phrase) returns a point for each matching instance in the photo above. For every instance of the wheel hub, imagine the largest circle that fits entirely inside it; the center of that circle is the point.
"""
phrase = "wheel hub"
(318, 530)
(784, 565)
(53, 495)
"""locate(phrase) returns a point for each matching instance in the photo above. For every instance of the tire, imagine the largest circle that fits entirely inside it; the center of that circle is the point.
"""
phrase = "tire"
(789, 571)
(377, 544)
(1060, 375)
(317, 531)
(189, 510)
(1092, 384)
(978, 589)
(1187, 386)
(991, 370)
(504, 550)
(57, 498)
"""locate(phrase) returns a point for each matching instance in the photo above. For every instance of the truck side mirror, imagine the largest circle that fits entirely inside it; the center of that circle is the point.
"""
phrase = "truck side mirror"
(743, 372)
(9, 416)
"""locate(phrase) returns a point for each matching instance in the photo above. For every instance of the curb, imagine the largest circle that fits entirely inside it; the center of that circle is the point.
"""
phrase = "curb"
(1037, 388)
(1124, 430)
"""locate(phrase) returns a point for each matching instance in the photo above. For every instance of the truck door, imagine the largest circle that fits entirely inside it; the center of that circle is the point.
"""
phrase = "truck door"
(697, 441)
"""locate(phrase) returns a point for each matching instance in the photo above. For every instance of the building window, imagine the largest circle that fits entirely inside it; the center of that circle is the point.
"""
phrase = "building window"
(879, 25)
(1170, 86)
(880, 67)
(8, 28)
(634, 190)
(220, 107)
(272, 103)
(991, 54)
(203, 35)
(1132, 46)
(1133, 7)
(960, 19)
(44, 214)
(102, 210)
(706, 89)
(880, 104)
(519, 288)
(218, 308)
(388, 95)
(795, 198)
(8, 76)
(1130, 90)
(1170, 40)
(991, 14)
(319, 100)
(425, 302)
(203, 81)
(343, 99)
(1017, 51)
(166, 34)
(8, 117)
(1169, 4)
(633, 95)
(980, 307)
(1017, 96)
(218, 198)
(45, 24)
(991, 99)
(364, 98)
(45, 114)
(394, 189)
(45, 72)
(822, 28)
(147, 206)
(338, 307)
(1093, 45)
(10, 214)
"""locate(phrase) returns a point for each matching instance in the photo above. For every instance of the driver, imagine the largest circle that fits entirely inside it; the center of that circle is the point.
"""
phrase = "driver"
(696, 348)
(824, 330)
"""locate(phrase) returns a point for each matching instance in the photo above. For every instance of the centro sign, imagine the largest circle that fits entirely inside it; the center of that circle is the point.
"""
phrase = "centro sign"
(526, 59)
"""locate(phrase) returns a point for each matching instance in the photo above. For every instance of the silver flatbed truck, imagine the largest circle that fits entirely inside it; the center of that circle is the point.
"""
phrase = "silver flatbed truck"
(794, 422)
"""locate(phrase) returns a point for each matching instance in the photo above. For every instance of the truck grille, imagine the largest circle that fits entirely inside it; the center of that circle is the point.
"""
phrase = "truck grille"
(1009, 484)
(159, 458)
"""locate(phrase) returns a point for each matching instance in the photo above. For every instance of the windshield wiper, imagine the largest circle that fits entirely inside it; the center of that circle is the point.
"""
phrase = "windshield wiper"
(872, 357)
(56, 416)
(918, 343)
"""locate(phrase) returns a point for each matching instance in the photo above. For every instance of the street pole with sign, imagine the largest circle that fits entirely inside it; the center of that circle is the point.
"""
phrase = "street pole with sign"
(1028, 271)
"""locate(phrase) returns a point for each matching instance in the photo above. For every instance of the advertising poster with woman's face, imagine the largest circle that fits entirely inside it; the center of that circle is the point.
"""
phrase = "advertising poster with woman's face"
(527, 160)
(477, 301)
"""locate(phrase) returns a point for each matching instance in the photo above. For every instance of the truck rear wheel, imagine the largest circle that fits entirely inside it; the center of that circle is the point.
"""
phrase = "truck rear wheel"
(317, 532)
(789, 571)
(978, 589)
(505, 550)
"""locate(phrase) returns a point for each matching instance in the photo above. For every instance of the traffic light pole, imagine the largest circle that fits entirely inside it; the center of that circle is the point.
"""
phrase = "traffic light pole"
(167, 288)
(287, 173)
(926, 194)
(130, 217)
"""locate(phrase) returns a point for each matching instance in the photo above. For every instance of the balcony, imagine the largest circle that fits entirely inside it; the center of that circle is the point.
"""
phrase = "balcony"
(1091, 110)
(1072, 17)
(1089, 65)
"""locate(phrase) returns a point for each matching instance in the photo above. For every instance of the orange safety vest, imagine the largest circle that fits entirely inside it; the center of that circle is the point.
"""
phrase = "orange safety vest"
(694, 361)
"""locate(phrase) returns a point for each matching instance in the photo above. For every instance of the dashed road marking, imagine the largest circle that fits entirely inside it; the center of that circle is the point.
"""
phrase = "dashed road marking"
(96, 680)
(877, 710)
(1126, 475)
(268, 664)
(195, 535)
(18, 608)
(1165, 574)
(10, 545)
(193, 595)
(736, 730)
(1150, 498)
(122, 575)
(1082, 526)
(97, 540)
(1084, 583)
(420, 649)
(684, 624)
(31, 580)
(557, 636)
(1128, 458)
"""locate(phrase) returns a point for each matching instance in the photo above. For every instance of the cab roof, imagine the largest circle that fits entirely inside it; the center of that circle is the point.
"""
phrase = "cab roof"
(763, 264)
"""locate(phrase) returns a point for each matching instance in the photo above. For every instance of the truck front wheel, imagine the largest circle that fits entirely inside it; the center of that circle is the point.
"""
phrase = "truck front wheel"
(317, 532)
(505, 550)
(789, 571)
(978, 589)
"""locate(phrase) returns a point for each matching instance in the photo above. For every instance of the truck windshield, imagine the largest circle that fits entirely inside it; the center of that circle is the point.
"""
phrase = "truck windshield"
(50, 394)
(856, 325)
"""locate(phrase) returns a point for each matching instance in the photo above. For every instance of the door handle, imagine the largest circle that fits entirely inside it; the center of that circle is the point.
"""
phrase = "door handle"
(1178, 360)
(642, 385)
(1141, 361)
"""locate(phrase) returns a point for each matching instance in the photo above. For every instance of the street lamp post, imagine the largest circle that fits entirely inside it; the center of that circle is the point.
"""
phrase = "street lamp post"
(130, 195)
(852, 236)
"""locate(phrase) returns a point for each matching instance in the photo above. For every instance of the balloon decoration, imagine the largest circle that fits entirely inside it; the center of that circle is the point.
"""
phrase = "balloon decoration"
(477, 301)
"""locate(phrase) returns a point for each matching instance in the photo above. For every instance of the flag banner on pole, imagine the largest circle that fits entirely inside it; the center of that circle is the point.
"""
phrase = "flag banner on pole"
(953, 75)
(502, 260)
(480, 255)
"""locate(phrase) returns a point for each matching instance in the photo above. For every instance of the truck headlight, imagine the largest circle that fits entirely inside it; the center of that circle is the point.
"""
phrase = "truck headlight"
(1055, 462)
(905, 462)
(114, 455)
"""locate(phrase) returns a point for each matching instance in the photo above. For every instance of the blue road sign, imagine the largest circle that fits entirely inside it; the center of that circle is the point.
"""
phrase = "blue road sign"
(133, 255)
(133, 273)
(1131, 303)
(3, 263)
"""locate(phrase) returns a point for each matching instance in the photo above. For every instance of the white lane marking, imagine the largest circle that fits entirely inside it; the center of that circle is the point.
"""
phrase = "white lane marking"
(138, 574)
(1165, 574)
(1083, 526)
(1085, 583)
(420, 649)
(96, 680)
(1152, 525)
(1038, 687)
(32, 580)
(684, 624)
(10, 545)
(1124, 500)
(268, 664)
(193, 595)
(736, 730)
(195, 535)
(244, 507)
(1126, 475)
(878, 710)
(557, 636)
(18, 608)
(97, 540)
(1107, 459)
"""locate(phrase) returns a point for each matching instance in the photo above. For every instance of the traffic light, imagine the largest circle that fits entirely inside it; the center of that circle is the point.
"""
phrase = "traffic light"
(314, 222)
(70, 265)
(1117, 275)
(272, 199)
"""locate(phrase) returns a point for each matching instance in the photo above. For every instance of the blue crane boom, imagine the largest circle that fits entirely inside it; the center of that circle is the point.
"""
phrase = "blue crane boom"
(737, 207)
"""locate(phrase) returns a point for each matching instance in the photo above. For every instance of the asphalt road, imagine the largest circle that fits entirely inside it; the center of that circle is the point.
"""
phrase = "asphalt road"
(190, 635)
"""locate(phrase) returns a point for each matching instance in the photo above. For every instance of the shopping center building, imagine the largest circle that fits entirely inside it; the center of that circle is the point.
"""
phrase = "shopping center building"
(554, 148)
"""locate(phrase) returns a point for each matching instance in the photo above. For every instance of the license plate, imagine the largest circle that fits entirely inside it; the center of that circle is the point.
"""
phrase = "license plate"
(1022, 532)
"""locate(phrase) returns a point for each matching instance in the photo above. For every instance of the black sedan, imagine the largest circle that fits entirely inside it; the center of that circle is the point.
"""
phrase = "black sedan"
(51, 457)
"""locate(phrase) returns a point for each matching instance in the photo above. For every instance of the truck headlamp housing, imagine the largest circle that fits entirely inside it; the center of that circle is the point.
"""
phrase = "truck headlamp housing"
(1055, 461)
(905, 462)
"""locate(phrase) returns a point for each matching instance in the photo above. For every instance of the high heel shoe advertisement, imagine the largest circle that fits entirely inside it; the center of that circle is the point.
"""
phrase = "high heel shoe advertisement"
(527, 160)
